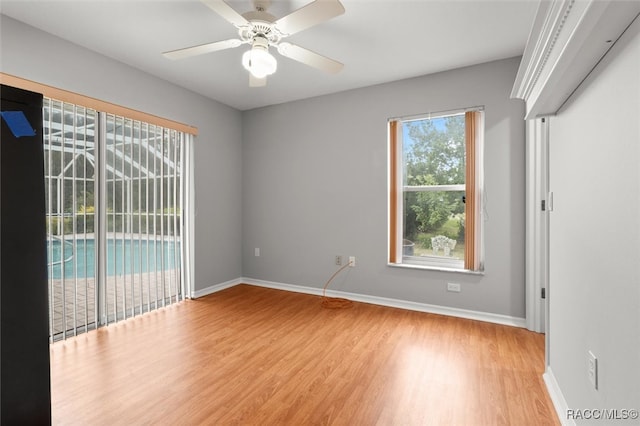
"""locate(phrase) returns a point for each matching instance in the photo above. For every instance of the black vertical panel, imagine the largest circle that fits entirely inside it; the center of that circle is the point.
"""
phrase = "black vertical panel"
(24, 336)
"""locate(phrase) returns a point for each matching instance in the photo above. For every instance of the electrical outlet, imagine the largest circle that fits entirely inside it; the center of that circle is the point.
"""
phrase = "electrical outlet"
(352, 261)
(338, 259)
(592, 369)
(256, 252)
(454, 287)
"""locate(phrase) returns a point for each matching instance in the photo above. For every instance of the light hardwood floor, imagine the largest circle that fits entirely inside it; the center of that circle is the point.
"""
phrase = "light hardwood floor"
(256, 356)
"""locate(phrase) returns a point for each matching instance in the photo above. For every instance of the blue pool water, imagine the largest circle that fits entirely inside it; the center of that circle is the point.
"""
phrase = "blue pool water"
(123, 257)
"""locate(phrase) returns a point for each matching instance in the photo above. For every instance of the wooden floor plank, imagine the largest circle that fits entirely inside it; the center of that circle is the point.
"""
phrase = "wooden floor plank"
(255, 356)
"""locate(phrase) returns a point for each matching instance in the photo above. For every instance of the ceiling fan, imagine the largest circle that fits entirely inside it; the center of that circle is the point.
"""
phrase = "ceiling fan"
(262, 30)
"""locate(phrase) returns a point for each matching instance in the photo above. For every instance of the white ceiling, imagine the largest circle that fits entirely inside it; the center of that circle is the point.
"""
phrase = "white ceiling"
(377, 40)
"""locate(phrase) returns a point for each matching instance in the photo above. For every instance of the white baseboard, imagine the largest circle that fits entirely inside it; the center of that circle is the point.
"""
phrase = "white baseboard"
(215, 288)
(395, 303)
(374, 300)
(557, 397)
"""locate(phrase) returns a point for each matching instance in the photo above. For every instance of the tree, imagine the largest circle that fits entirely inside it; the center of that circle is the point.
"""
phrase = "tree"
(434, 151)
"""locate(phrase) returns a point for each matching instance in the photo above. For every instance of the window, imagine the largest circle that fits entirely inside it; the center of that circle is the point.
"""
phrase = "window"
(435, 197)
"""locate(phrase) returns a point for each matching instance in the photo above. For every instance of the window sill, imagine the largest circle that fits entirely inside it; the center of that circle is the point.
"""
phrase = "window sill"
(434, 268)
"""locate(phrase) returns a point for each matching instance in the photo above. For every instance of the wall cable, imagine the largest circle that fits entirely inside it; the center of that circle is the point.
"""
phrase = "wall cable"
(335, 302)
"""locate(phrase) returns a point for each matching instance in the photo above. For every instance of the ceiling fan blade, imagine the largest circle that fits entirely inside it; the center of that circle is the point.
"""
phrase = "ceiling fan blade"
(223, 9)
(310, 58)
(257, 82)
(309, 15)
(202, 49)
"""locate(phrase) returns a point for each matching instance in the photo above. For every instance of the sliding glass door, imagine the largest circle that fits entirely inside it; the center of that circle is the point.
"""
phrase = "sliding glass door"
(142, 193)
(115, 202)
(70, 187)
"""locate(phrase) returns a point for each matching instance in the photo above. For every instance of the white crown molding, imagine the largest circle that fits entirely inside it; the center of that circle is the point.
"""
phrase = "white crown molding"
(567, 40)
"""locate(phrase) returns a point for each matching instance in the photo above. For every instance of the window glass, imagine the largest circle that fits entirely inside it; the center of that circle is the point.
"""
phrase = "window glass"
(431, 190)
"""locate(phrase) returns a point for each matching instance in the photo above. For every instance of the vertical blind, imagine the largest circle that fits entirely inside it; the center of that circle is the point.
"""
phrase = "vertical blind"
(115, 216)
(69, 164)
(471, 255)
(393, 191)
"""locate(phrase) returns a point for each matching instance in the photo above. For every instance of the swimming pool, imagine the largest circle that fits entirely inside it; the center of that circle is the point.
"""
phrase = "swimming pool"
(123, 257)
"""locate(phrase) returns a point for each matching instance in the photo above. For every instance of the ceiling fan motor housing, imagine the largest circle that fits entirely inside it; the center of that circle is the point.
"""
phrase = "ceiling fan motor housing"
(262, 27)
(260, 41)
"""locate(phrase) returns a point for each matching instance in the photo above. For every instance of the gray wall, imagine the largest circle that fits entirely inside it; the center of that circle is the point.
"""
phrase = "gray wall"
(306, 180)
(35, 55)
(315, 185)
(595, 233)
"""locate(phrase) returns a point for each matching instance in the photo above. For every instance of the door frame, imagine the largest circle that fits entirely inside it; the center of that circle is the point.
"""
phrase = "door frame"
(537, 225)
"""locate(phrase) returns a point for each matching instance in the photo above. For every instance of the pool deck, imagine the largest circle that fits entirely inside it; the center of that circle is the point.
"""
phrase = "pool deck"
(124, 296)
(73, 301)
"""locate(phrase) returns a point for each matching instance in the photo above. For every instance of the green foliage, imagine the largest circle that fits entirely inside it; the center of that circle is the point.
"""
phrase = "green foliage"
(434, 209)
(437, 153)
(169, 210)
(434, 155)
(449, 229)
(86, 209)
(461, 229)
(85, 220)
(424, 240)
(53, 226)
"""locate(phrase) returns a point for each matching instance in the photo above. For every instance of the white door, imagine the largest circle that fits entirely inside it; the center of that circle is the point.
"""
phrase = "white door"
(538, 205)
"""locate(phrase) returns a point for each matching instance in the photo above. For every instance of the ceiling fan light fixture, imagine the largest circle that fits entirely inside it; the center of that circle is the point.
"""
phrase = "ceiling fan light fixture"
(258, 61)
(261, 29)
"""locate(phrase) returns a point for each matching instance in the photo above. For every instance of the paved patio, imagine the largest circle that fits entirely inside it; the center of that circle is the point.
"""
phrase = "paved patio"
(124, 296)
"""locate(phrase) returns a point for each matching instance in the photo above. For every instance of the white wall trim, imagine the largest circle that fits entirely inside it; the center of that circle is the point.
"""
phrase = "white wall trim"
(394, 303)
(374, 300)
(536, 223)
(530, 228)
(215, 288)
(557, 397)
(567, 40)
